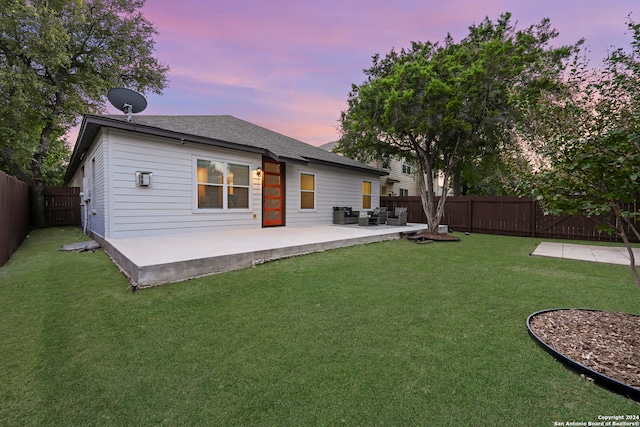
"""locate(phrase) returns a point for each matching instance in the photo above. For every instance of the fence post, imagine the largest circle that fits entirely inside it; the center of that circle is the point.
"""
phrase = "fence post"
(534, 214)
(470, 214)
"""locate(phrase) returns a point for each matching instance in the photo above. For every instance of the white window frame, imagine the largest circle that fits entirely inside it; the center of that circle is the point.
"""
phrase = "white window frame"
(225, 186)
(363, 194)
(315, 191)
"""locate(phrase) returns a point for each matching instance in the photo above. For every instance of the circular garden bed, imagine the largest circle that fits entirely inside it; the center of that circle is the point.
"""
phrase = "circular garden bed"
(604, 346)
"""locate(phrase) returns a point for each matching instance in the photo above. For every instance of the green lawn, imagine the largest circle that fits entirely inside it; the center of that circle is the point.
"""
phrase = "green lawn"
(388, 334)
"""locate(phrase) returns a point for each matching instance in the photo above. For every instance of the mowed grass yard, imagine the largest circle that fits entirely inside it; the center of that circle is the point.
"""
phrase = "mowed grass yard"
(385, 334)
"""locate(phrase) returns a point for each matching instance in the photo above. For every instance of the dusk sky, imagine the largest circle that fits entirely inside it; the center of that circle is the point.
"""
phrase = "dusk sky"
(288, 65)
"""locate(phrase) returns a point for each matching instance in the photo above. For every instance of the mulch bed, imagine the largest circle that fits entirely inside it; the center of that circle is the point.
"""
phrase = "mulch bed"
(605, 342)
(425, 236)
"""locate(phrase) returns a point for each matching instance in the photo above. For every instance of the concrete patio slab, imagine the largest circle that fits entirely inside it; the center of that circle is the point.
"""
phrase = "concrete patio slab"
(605, 254)
(155, 260)
(553, 250)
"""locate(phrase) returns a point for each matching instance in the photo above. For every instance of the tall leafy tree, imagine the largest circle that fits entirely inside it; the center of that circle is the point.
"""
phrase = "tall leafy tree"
(588, 142)
(439, 104)
(495, 173)
(58, 59)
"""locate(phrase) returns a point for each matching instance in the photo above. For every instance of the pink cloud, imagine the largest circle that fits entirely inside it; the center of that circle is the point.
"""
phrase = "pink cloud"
(289, 65)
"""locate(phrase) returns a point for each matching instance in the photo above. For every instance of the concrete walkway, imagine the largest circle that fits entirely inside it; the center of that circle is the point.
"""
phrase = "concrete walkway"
(605, 254)
(154, 260)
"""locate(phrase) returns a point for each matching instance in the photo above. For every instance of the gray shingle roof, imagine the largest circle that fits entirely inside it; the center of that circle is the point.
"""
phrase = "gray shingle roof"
(329, 146)
(224, 130)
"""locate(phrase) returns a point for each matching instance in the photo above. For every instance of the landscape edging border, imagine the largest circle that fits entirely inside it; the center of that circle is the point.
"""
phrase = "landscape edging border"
(601, 379)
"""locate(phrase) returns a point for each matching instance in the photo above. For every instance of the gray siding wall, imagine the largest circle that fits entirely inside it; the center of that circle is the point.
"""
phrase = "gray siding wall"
(334, 187)
(99, 196)
(94, 210)
(169, 206)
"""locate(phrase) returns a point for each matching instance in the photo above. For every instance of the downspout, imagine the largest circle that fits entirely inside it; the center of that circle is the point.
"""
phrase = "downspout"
(86, 217)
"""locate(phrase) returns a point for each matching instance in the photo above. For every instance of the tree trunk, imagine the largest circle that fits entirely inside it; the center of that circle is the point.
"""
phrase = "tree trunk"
(38, 217)
(433, 210)
(632, 228)
(433, 213)
(632, 259)
(36, 194)
(622, 233)
(457, 183)
(428, 198)
(443, 197)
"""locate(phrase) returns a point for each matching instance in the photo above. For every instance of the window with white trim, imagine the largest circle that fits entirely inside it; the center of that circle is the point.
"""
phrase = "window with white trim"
(366, 194)
(222, 185)
(307, 191)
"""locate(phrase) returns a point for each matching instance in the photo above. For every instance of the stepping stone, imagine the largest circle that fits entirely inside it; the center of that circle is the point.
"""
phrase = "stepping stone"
(90, 245)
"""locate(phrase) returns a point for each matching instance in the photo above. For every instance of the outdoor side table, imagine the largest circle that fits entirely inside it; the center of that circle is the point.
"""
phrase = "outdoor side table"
(364, 220)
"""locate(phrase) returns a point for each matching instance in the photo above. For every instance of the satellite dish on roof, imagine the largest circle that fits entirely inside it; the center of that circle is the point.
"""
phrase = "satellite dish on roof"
(127, 101)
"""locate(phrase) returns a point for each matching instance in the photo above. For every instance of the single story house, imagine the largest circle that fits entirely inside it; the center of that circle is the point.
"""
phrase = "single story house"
(175, 174)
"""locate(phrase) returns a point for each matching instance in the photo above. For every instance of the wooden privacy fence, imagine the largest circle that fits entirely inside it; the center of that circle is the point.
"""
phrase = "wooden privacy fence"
(62, 206)
(14, 215)
(507, 215)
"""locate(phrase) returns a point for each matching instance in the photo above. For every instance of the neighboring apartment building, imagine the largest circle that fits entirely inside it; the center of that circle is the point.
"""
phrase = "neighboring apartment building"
(402, 179)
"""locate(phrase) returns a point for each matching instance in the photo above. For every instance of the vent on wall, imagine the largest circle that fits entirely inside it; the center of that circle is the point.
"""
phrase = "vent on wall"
(143, 179)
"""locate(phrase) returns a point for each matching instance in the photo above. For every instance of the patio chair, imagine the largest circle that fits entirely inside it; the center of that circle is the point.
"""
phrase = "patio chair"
(398, 218)
(345, 215)
(378, 216)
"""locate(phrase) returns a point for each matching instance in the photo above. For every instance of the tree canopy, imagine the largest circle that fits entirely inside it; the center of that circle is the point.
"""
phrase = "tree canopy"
(58, 59)
(587, 138)
(439, 104)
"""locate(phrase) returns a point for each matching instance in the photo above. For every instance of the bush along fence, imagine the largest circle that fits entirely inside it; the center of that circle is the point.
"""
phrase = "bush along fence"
(14, 215)
(506, 215)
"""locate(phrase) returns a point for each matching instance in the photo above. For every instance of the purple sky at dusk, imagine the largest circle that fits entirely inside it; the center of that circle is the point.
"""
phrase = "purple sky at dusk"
(288, 65)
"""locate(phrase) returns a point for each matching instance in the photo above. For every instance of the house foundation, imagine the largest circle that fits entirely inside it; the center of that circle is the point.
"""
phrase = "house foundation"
(156, 260)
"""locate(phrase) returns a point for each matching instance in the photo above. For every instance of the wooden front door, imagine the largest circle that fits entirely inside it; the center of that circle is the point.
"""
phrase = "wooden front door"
(272, 193)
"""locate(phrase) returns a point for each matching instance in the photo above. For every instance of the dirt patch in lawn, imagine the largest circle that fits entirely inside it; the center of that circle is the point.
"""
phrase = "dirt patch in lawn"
(605, 342)
(425, 236)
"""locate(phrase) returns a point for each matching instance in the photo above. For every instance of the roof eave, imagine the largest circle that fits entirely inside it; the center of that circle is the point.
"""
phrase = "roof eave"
(92, 124)
(369, 170)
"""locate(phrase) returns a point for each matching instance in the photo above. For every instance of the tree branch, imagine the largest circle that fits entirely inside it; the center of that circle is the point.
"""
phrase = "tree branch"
(7, 157)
